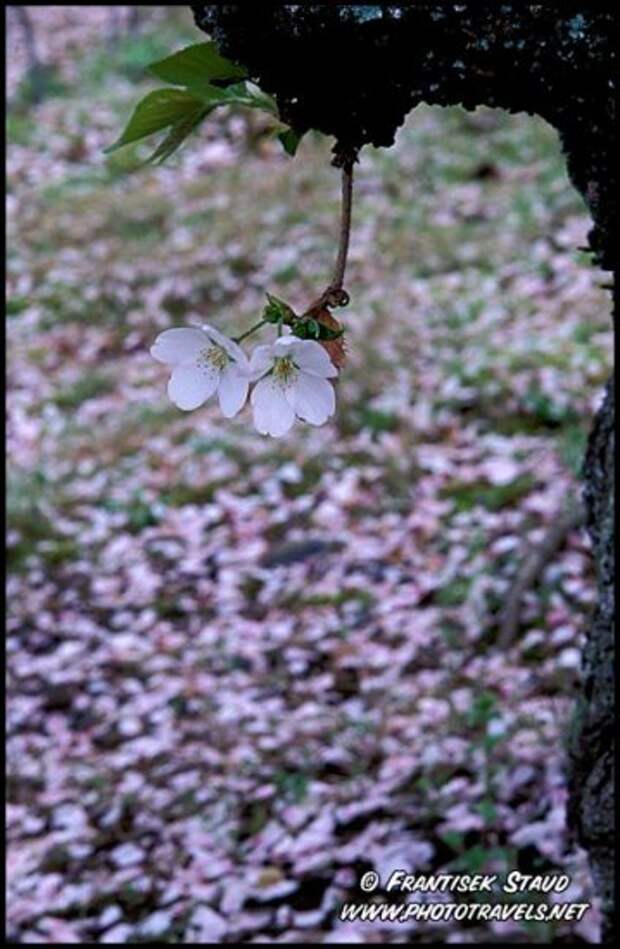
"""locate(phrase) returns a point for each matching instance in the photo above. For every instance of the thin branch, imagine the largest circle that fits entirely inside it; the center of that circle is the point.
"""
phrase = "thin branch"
(534, 562)
(345, 227)
(114, 25)
(334, 294)
(134, 15)
(35, 65)
(23, 18)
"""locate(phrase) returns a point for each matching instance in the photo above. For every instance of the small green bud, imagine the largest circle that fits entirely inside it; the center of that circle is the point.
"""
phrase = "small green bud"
(277, 310)
(307, 329)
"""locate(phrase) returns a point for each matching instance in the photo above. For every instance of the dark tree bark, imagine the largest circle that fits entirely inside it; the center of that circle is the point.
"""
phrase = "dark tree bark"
(354, 72)
(592, 760)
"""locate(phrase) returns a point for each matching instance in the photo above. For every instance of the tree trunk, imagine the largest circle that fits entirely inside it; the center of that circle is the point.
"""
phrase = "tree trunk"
(354, 72)
(592, 751)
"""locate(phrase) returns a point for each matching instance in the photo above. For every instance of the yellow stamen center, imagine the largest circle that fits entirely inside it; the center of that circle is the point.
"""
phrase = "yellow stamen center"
(213, 357)
(284, 370)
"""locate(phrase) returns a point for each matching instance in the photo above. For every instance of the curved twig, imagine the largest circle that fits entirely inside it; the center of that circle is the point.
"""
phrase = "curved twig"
(534, 562)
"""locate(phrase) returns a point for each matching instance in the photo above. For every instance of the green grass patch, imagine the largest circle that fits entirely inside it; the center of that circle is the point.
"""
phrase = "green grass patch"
(30, 503)
(88, 387)
(140, 513)
(149, 417)
(312, 471)
(200, 445)
(20, 128)
(351, 419)
(480, 493)
(16, 305)
(572, 443)
(542, 407)
(292, 784)
(63, 304)
(454, 594)
(37, 85)
(182, 494)
(350, 594)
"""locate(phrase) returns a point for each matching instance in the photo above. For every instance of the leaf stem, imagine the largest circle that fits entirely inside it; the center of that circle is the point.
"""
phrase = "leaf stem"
(252, 329)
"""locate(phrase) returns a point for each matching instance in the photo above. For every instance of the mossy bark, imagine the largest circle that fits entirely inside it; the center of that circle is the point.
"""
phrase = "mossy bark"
(354, 72)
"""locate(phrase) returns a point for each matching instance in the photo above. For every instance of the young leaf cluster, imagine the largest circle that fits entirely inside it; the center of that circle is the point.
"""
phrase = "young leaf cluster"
(304, 327)
(200, 80)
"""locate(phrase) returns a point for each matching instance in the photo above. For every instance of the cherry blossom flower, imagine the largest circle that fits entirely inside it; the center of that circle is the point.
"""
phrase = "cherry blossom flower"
(292, 376)
(203, 361)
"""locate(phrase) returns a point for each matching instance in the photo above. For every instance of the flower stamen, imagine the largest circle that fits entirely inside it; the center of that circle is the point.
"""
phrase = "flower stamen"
(212, 357)
(284, 371)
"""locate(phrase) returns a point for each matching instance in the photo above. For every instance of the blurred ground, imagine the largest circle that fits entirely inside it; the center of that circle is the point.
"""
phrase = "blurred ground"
(243, 671)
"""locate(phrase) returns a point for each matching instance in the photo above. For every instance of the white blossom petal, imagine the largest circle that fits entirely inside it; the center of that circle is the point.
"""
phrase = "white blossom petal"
(261, 360)
(190, 386)
(273, 414)
(179, 346)
(232, 391)
(308, 355)
(283, 343)
(312, 398)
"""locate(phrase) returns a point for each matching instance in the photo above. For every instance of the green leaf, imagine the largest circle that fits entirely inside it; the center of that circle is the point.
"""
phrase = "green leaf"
(198, 63)
(177, 135)
(259, 99)
(158, 110)
(290, 141)
(239, 93)
(217, 95)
